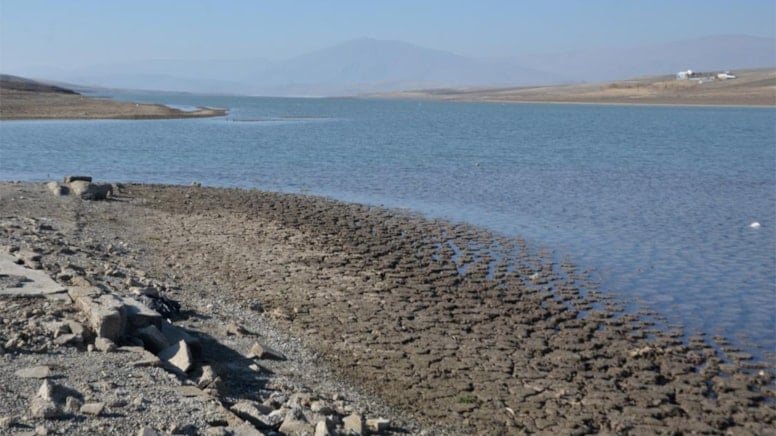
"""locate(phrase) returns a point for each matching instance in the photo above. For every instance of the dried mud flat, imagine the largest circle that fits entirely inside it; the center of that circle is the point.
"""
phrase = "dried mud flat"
(441, 327)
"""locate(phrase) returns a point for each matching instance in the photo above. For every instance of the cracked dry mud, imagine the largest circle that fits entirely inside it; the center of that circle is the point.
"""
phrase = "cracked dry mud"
(444, 326)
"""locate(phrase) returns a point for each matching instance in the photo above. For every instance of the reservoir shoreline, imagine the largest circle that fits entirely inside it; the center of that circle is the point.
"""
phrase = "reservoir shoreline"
(444, 322)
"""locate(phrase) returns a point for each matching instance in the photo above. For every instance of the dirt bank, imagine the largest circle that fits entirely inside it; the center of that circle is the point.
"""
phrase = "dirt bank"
(446, 324)
(749, 88)
(22, 99)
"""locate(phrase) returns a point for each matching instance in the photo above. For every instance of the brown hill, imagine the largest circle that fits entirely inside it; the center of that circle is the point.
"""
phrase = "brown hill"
(25, 99)
(749, 88)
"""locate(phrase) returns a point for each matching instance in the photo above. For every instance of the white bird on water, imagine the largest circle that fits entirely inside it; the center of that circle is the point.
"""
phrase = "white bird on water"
(755, 225)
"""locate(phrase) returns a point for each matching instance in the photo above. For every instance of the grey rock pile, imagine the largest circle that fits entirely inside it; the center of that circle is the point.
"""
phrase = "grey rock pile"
(81, 187)
(105, 313)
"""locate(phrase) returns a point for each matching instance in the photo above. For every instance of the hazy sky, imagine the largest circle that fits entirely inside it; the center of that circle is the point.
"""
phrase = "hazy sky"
(75, 33)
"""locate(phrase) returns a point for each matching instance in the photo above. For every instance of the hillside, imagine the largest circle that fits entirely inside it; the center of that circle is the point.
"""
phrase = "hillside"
(25, 99)
(750, 88)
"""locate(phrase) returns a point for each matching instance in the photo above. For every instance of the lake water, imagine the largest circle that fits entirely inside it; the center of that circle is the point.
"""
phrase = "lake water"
(658, 201)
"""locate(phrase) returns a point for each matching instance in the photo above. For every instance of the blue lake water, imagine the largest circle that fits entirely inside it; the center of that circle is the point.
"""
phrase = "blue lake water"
(656, 200)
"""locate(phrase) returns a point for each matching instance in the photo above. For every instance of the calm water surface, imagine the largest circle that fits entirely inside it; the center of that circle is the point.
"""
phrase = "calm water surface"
(657, 200)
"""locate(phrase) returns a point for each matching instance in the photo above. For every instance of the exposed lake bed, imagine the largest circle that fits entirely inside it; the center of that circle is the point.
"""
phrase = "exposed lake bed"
(523, 243)
(446, 323)
(657, 201)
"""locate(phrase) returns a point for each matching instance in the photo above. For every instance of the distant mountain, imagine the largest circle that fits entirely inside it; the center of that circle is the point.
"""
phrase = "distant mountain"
(719, 52)
(368, 65)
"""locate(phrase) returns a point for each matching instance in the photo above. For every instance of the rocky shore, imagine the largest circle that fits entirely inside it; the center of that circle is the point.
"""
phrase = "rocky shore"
(191, 310)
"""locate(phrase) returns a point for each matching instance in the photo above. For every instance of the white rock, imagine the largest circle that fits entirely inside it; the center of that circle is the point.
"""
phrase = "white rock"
(755, 225)
(260, 351)
(377, 424)
(73, 405)
(322, 428)
(353, 424)
(42, 371)
(104, 344)
(147, 431)
(177, 355)
(6, 421)
(94, 409)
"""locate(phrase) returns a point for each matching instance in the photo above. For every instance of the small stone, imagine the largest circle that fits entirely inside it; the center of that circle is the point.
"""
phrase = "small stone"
(93, 409)
(353, 424)
(207, 377)
(44, 408)
(321, 407)
(234, 329)
(104, 344)
(175, 334)
(251, 410)
(118, 403)
(152, 338)
(68, 339)
(296, 424)
(6, 421)
(378, 424)
(260, 351)
(57, 189)
(147, 431)
(186, 429)
(146, 291)
(322, 428)
(76, 327)
(148, 360)
(246, 429)
(41, 430)
(177, 355)
(218, 431)
(73, 405)
(57, 328)
(41, 372)
(90, 191)
(47, 390)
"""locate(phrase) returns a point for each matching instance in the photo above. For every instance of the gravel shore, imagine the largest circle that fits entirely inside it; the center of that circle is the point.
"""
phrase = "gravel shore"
(436, 327)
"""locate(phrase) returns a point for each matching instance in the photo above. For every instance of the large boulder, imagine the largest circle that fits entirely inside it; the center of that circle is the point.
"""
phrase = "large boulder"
(90, 191)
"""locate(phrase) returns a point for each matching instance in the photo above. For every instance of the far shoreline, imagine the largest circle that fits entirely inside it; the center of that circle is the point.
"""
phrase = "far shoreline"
(23, 99)
(750, 88)
(575, 103)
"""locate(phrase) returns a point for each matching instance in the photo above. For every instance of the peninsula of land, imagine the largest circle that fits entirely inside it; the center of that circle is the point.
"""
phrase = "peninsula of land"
(24, 99)
(748, 88)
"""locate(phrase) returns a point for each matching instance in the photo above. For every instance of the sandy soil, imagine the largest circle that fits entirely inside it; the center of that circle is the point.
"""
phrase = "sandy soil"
(30, 100)
(750, 88)
(447, 324)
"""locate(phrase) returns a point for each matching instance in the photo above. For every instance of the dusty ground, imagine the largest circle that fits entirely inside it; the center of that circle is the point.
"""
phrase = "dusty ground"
(437, 325)
(750, 88)
(22, 99)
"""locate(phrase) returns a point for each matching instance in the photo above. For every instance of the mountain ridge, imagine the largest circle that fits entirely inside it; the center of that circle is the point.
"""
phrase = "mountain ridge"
(367, 65)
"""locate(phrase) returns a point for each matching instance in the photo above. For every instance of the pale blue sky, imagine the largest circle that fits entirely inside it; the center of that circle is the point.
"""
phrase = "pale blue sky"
(70, 34)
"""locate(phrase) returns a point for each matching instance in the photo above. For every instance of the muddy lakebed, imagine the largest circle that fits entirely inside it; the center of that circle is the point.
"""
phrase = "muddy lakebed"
(448, 323)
